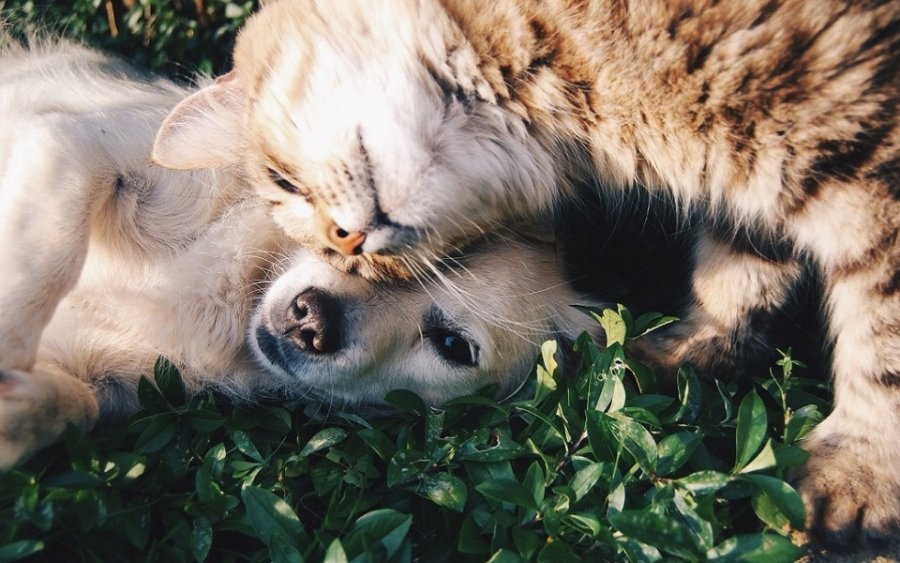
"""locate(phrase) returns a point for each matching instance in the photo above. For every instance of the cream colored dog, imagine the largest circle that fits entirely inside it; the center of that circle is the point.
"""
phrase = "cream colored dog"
(109, 262)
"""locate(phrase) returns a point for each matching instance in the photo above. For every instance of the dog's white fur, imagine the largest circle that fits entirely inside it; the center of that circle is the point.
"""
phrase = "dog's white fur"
(109, 261)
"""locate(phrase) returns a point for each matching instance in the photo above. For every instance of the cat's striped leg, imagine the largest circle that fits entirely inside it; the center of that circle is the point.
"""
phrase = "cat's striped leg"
(851, 484)
(736, 287)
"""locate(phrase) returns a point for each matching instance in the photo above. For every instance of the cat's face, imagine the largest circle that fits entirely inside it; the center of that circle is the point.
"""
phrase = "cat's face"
(339, 337)
(345, 123)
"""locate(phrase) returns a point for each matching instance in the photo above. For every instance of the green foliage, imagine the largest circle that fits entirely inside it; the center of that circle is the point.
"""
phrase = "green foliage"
(179, 37)
(600, 465)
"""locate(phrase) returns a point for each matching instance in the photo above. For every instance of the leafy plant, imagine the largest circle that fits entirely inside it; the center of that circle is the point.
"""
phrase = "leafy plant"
(597, 465)
(178, 37)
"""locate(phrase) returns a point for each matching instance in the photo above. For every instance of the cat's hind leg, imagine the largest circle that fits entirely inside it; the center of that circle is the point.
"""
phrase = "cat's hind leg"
(851, 483)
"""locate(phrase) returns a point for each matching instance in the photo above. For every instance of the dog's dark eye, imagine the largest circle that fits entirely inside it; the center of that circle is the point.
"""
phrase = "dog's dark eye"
(282, 182)
(453, 347)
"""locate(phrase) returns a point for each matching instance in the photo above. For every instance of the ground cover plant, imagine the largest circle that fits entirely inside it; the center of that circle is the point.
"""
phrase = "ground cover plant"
(602, 463)
(179, 37)
(599, 466)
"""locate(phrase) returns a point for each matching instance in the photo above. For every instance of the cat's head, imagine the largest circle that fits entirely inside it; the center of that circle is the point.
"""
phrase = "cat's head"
(368, 126)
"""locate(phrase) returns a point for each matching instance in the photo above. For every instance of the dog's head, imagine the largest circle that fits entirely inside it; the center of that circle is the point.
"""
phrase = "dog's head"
(478, 321)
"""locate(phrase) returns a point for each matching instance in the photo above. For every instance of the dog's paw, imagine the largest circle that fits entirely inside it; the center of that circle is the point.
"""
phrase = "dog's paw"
(36, 407)
(851, 493)
(19, 406)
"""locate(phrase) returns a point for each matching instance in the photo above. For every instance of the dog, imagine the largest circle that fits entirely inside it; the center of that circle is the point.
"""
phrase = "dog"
(110, 262)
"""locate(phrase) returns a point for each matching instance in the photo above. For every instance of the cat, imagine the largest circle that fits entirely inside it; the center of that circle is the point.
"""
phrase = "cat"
(404, 128)
(109, 262)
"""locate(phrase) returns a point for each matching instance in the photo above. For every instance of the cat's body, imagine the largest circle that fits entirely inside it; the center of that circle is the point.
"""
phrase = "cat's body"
(406, 127)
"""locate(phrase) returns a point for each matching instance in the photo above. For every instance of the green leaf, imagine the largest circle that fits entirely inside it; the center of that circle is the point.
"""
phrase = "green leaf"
(405, 465)
(612, 394)
(470, 539)
(704, 482)
(20, 549)
(782, 497)
(613, 325)
(385, 527)
(636, 439)
(246, 446)
(637, 551)
(558, 551)
(643, 375)
(406, 401)
(752, 425)
(801, 423)
(201, 538)
(505, 556)
(271, 517)
(151, 398)
(546, 369)
(687, 507)
(323, 439)
(445, 490)
(283, 551)
(690, 394)
(527, 542)
(157, 434)
(168, 380)
(507, 490)
(378, 441)
(790, 456)
(675, 450)
(663, 532)
(534, 482)
(204, 421)
(648, 322)
(585, 478)
(755, 548)
(586, 523)
(335, 553)
(764, 460)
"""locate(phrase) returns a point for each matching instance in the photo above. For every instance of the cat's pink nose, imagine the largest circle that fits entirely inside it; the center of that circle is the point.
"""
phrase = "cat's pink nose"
(348, 243)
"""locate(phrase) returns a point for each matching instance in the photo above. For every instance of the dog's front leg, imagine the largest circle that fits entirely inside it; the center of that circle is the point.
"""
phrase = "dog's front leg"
(51, 181)
(35, 408)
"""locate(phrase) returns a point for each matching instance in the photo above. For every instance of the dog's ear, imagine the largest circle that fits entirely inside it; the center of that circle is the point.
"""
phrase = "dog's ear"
(205, 129)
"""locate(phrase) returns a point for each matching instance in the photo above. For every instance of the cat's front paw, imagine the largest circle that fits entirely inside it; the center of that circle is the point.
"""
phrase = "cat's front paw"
(667, 350)
(851, 488)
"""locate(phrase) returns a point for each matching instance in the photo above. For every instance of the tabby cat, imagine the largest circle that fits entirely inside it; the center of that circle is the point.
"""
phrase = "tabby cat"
(405, 127)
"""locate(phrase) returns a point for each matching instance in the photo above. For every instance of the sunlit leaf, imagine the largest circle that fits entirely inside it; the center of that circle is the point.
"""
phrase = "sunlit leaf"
(445, 490)
(752, 426)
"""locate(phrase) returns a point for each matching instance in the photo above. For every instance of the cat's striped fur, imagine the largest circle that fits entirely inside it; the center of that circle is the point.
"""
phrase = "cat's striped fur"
(415, 124)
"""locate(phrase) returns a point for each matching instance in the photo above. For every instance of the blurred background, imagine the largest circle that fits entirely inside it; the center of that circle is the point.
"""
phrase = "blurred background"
(178, 37)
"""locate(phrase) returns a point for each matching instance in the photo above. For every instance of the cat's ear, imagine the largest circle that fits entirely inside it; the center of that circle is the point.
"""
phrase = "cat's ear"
(205, 129)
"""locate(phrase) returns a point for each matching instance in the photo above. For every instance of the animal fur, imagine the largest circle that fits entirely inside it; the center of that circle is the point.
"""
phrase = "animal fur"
(110, 261)
(410, 126)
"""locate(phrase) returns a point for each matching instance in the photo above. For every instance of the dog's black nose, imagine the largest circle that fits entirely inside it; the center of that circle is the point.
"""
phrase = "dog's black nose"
(313, 322)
